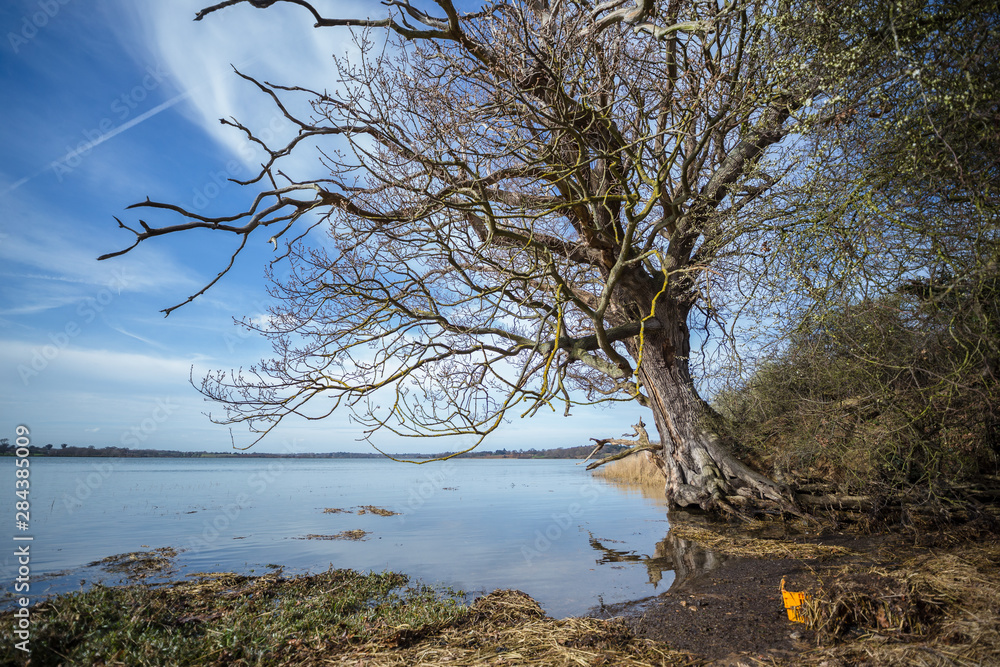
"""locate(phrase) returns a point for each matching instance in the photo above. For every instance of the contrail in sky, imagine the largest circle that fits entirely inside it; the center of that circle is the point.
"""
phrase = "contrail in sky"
(114, 132)
(101, 139)
(125, 126)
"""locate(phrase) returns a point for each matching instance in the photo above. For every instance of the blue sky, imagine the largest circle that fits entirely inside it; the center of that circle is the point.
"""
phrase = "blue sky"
(105, 103)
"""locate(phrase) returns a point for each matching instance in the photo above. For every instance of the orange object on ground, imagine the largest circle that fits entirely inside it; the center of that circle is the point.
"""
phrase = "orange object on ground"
(793, 603)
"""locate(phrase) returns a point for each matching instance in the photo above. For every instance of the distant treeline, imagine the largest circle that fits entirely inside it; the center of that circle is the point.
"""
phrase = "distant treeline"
(7, 449)
(580, 452)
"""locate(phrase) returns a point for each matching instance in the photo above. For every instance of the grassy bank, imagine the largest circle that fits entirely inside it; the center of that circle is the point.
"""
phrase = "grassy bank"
(340, 617)
(931, 608)
(228, 619)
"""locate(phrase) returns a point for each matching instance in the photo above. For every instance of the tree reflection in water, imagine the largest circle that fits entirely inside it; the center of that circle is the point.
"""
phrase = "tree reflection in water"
(686, 559)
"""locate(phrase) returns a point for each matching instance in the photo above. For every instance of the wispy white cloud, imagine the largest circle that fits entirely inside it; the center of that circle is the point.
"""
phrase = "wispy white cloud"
(97, 367)
(39, 302)
(200, 57)
(52, 264)
(97, 396)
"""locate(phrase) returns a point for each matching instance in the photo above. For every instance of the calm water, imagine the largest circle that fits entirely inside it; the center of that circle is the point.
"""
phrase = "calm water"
(545, 527)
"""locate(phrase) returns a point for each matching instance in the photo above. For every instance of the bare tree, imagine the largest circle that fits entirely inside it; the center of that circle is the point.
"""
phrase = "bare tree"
(535, 204)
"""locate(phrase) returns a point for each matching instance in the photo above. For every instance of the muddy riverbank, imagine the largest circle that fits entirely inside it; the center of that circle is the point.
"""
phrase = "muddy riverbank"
(893, 598)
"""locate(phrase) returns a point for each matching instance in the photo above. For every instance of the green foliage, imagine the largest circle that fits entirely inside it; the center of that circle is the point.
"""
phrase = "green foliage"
(229, 620)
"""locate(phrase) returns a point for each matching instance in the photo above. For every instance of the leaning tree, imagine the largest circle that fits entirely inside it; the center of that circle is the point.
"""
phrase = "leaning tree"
(536, 203)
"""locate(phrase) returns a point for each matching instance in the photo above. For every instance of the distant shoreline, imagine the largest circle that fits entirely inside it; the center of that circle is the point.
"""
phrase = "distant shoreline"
(67, 451)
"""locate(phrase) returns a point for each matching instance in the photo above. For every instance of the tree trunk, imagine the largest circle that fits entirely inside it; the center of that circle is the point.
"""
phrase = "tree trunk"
(699, 468)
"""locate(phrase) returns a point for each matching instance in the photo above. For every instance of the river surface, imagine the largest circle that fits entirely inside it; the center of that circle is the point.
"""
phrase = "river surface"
(546, 527)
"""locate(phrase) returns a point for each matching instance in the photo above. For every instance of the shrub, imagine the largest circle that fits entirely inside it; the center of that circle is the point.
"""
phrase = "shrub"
(882, 396)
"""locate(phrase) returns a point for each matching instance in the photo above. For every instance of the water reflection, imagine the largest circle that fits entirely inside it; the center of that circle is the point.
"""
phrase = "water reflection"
(652, 492)
(474, 525)
(689, 559)
(683, 559)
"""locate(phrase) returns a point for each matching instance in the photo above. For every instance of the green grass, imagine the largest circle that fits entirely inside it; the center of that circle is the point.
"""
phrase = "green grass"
(229, 619)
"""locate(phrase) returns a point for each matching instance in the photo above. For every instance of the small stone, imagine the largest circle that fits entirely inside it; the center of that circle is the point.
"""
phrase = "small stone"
(796, 635)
